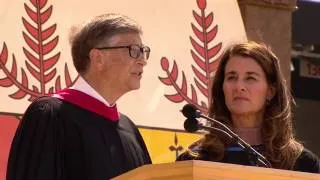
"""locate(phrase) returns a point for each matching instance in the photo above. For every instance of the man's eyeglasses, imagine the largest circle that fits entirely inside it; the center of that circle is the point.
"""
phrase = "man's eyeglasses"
(135, 51)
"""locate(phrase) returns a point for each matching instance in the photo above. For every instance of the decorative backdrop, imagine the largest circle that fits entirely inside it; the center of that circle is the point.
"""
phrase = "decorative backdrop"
(186, 38)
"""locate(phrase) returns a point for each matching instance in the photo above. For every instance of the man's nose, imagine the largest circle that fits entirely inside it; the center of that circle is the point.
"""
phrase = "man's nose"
(142, 61)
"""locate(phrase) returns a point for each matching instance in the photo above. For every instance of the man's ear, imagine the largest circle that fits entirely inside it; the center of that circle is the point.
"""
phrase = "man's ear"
(96, 59)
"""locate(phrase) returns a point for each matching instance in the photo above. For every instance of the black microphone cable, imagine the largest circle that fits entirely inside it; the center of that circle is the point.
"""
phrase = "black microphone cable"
(191, 113)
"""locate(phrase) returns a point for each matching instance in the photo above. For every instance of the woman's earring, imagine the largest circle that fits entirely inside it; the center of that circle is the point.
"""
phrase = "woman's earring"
(268, 101)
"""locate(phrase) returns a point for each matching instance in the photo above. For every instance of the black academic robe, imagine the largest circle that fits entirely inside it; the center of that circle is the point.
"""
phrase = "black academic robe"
(59, 140)
(307, 161)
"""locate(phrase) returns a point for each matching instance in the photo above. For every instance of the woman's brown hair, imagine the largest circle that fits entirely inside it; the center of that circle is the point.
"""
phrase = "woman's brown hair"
(281, 147)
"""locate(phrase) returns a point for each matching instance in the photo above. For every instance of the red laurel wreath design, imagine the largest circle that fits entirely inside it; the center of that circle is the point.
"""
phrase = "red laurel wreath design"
(40, 43)
(202, 55)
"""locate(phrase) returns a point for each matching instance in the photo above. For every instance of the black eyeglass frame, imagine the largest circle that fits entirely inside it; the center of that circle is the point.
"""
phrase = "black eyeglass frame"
(144, 50)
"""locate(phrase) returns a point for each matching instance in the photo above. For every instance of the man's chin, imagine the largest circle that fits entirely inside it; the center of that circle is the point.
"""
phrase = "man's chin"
(135, 87)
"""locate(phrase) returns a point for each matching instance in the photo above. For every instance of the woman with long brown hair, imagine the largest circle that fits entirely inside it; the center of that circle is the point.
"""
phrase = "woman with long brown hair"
(250, 95)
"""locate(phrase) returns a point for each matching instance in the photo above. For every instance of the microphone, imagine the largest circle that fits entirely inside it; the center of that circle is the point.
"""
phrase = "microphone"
(191, 112)
(193, 125)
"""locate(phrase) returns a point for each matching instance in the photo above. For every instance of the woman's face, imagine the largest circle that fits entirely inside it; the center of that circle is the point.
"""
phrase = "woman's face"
(245, 86)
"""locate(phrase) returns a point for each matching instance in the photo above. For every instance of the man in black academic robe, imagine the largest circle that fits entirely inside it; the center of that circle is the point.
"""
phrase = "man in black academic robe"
(78, 133)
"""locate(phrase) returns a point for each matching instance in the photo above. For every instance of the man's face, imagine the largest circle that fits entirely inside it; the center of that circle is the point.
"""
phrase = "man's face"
(120, 71)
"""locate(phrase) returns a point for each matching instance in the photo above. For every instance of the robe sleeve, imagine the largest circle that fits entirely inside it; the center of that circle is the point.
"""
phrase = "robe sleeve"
(147, 158)
(139, 138)
(36, 150)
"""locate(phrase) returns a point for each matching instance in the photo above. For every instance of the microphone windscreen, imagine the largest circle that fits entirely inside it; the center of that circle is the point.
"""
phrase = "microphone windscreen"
(191, 125)
(189, 111)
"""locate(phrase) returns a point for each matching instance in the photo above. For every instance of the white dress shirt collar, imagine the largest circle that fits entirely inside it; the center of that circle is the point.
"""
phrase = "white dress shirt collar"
(82, 85)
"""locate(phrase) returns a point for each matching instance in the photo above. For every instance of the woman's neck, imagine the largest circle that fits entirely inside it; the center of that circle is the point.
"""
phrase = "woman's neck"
(248, 127)
(247, 121)
(251, 135)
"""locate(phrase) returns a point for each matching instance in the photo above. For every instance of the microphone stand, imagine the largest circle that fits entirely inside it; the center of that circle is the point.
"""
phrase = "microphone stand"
(256, 157)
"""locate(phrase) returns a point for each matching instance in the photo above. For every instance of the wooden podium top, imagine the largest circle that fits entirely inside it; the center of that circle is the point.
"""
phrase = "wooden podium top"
(211, 170)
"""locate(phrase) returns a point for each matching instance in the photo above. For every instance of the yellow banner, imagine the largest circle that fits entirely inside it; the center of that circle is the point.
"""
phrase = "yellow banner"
(165, 145)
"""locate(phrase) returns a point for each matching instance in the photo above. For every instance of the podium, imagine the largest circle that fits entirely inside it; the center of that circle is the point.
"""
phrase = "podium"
(194, 169)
